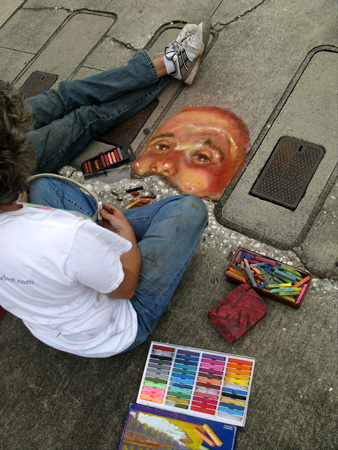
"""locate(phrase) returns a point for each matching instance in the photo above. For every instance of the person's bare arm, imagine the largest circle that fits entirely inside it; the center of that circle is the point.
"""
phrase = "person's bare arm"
(114, 220)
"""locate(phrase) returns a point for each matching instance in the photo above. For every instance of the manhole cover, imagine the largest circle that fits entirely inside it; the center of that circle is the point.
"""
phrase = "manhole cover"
(288, 171)
(38, 82)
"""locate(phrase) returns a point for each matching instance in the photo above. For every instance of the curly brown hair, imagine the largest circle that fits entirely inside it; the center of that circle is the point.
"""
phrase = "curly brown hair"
(17, 158)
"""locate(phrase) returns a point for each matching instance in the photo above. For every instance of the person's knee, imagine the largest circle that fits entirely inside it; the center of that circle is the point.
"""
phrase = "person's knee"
(194, 207)
(46, 191)
(38, 190)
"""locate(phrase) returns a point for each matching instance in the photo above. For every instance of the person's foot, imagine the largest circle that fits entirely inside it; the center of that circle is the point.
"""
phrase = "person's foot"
(187, 50)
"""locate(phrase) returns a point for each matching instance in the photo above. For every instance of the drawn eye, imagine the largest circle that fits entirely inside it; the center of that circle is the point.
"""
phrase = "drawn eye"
(201, 158)
(162, 147)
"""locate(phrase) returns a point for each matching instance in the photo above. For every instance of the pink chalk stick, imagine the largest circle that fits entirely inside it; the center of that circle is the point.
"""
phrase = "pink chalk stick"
(301, 295)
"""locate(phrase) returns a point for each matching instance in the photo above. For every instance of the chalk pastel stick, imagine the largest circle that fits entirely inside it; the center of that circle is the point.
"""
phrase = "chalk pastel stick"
(282, 290)
(290, 299)
(237, 277)
(294, 293)
(235, 402)
(242, 362)
(212, 434)
(133, 204)
(119, 153)
(237, 272)
(116, 155)
(304, 280)
(257, 271)
(238, 257)
(286, 275)
(266, 260)
(237, 376)
(290, 269)
(252, 280)
(232, 380)
(204, 437)
(301, 295)
(259, 277)
(278, 279)
(151, 399)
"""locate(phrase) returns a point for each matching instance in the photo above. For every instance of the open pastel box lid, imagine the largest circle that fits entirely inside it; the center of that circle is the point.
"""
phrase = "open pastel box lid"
(165, 429)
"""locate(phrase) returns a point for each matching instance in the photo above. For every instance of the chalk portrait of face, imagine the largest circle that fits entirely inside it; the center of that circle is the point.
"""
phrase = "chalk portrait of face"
(199, 150)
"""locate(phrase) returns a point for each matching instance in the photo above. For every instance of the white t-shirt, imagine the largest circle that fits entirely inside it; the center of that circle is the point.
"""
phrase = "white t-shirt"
(55, 269)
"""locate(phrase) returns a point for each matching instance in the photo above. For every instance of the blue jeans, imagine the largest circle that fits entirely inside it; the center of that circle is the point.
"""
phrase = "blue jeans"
(168, 231)
(67, 119)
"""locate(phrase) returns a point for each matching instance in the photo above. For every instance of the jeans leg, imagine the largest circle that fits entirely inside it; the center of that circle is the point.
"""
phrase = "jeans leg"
(67, 119)
(99, 88)
(59, 142)
(169, 232)
(61, 194)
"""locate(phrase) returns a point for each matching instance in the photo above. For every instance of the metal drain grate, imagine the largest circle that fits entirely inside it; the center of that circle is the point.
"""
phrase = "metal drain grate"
(38, 82)
(288, 171)
(128, 130)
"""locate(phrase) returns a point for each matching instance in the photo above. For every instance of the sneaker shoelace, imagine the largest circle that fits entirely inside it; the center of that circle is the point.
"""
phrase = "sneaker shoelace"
(180, 46)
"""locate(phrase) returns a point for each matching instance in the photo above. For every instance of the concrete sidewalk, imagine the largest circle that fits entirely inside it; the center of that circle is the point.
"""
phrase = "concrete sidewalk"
(274, 64)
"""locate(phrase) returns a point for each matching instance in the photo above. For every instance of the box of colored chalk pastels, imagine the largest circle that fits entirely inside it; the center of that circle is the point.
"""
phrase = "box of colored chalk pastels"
(199, 383)
(281, 282)
(106, 161)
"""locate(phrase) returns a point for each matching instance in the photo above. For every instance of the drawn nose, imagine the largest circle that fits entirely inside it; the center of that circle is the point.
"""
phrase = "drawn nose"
(164, 166)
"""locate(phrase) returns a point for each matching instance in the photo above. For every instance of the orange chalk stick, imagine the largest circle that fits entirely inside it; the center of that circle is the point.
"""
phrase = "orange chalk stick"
(304, 280)
(237, 377)
(237, 270)
(255, 269)
(207, 380)
(239, 371)
(151, 399)
(204, 437)
(133, 204)
(237, 277)
(241, 361)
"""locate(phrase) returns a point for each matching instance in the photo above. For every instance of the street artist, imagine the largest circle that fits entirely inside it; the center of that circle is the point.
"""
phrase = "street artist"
(82, 288)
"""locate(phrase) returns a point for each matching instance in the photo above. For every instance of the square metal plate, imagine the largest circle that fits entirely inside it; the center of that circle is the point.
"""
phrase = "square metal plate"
(288, 171)
(38, 82)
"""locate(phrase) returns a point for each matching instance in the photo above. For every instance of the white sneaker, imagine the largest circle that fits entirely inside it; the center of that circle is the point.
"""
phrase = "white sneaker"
(187, 50)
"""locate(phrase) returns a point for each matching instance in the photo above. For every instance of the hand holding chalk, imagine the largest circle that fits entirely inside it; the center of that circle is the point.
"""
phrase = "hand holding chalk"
(114, 220)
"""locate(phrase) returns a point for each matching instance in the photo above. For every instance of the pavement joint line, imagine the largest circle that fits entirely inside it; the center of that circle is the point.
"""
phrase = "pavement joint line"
(235, 19)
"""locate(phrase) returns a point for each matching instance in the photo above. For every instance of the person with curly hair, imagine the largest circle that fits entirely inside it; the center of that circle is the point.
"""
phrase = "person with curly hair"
(17, 160)
(82, 288)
